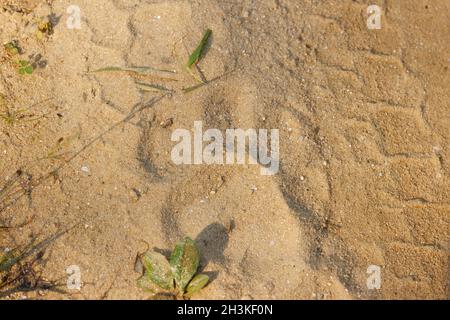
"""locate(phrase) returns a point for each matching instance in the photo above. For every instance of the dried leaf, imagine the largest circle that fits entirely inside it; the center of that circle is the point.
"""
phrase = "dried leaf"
(138, 266)
(45, 27)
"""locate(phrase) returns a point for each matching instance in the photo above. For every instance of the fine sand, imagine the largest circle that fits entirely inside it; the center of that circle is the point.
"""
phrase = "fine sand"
(364, 145)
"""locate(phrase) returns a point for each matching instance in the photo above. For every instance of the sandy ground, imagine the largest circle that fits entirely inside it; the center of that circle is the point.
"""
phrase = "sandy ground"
(364, 145)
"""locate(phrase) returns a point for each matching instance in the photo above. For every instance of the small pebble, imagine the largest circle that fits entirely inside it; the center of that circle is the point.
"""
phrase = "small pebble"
(166, 123)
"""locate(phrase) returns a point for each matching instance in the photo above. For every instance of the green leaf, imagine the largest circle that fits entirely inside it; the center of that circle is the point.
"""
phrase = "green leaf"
(8, 260)
(147, 284)
(158, 269)
(3, 259)
(184, 262)
(196, 284)
(25, 67)
(198, 52)
(28, 69)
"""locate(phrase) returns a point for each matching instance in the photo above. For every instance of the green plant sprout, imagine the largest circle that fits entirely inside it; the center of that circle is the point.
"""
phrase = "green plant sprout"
(176, 276)
(44, 27)
(194, 58)
(12, 117)
(192, 62)
(12, 48)
(25, 67)
(14, 51)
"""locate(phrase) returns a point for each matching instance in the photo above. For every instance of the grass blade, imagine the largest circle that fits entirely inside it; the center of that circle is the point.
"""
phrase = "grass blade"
(198, 52)
(152, 87)
(195, 87)
(141, 70)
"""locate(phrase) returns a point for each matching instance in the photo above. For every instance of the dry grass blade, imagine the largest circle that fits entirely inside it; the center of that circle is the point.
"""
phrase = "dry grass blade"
(10, 184)
(17, 267)
(16, 255)
(198, 86)
(152, 87)
(140, 70)
(61, 148)
(195, 87)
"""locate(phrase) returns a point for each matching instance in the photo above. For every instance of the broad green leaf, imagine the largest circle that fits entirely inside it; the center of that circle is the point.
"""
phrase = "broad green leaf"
(158, 269)
(196, 284)
(145, 283)
(28, 70)
(198, 52)
(184, 262)
(25, 67)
